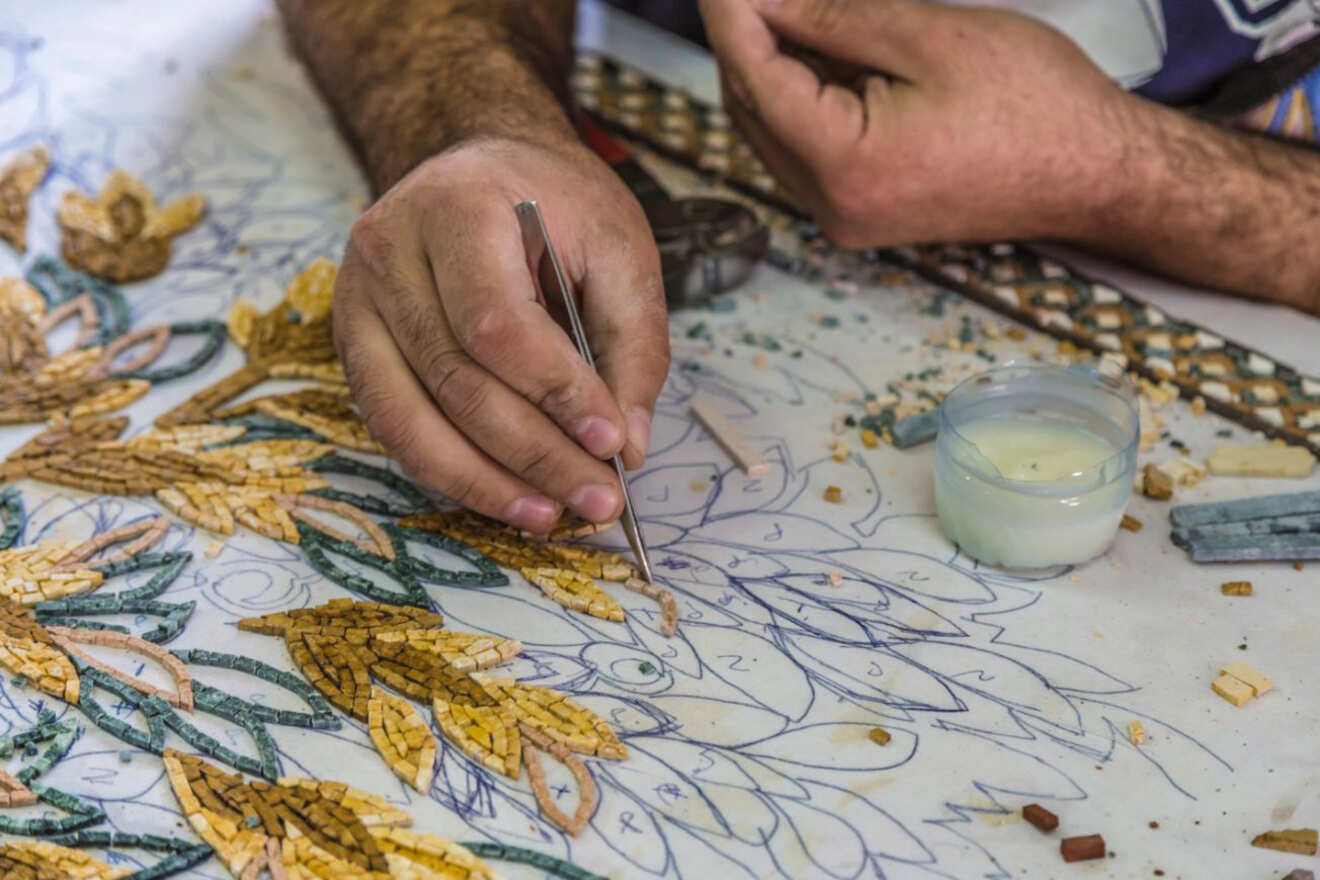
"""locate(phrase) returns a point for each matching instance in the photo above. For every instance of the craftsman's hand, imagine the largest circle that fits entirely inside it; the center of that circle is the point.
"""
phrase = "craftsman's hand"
(457, 367)
(972, 124)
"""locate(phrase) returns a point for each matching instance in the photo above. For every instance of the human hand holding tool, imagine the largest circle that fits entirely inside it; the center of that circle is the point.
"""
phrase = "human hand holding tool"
(457, 111)
(457, 367)
(536, 242)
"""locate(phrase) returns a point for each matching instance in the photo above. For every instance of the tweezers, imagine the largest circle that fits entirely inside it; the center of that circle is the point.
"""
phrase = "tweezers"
(537, 240)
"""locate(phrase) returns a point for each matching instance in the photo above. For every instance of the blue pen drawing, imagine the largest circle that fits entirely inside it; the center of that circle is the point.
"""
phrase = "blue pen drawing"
(803, 624)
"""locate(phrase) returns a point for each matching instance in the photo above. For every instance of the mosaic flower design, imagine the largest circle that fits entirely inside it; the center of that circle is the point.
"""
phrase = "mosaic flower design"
(121, 235)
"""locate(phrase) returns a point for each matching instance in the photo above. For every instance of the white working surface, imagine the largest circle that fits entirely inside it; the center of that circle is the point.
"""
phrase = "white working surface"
(749, 755)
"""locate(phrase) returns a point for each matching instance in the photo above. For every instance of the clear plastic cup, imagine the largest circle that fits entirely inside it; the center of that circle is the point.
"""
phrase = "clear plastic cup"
(1064, 444)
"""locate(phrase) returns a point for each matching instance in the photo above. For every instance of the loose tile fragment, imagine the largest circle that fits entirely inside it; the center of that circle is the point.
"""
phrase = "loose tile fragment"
(19, 178)
(1040, 817)
(1235, 691)
(1182, 471)
(1136, 732)
(735, 443)
(1301, 841)
(1130, 523)
(1156, 483)
(1254, 548)
(879, 736)
(1080, 849)
(1258, 683)
(1241, 509)
(1236, 588)
(1236, 460)
(833, 494)
(916, 429)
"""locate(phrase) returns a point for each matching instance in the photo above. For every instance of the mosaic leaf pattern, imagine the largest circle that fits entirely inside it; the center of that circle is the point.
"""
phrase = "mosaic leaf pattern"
(310, 829)
(566, 573)
(343, 646)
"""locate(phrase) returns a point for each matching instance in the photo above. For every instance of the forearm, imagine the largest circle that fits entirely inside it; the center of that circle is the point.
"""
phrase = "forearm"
(1217, 207)
(409, 78)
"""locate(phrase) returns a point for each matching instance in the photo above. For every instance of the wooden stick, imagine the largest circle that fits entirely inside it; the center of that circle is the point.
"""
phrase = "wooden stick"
(734, 442)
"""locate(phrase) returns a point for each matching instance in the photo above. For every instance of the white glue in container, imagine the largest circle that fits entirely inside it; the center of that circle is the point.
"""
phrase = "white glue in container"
(1034, 464)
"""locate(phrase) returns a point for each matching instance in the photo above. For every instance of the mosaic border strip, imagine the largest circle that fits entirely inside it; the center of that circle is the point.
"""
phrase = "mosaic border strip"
(1238, 382)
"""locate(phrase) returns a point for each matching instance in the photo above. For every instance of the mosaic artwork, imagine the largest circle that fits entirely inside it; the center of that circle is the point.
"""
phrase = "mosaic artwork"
(501, 723)
(91, 377)
(236, 639)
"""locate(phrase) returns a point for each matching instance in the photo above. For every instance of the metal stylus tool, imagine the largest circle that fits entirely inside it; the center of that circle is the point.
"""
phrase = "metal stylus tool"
(536, 239)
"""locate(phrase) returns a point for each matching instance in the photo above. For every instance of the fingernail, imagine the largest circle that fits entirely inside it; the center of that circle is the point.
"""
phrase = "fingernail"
(639, 429)
(598, 436)
(595, 502)
(536, 513)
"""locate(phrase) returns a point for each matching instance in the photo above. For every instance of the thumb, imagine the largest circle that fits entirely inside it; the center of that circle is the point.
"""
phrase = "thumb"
(885, 35)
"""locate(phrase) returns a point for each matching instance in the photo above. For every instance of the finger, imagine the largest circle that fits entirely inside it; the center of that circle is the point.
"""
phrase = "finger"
(787, 169)
(403, 419)
(492, 306)
(495, 418)
(892, 36)
(811, 121)
(624, 315)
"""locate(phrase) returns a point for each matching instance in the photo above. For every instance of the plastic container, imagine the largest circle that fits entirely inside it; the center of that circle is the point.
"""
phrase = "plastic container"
(1034, 464)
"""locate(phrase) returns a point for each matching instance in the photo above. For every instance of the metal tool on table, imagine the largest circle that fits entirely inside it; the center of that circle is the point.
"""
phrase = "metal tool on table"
(537, 240)
(707, 246)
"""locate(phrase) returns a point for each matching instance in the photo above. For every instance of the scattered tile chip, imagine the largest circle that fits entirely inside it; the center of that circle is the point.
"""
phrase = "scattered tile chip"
(1156, 484)
(1136, 732)
(1040, 817)
(1301, 841)
(1258, 683)
(1231, 689)
(1240, 460)
(1080, 849)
